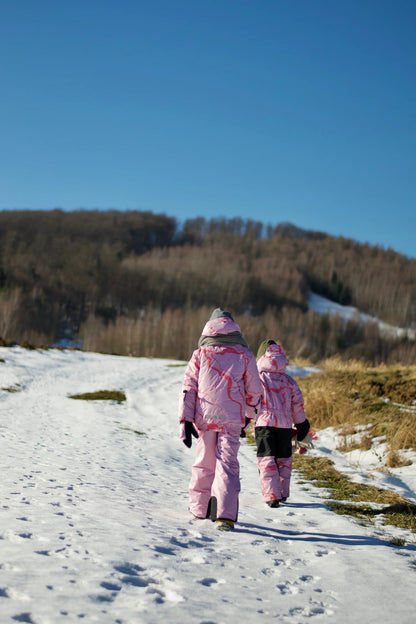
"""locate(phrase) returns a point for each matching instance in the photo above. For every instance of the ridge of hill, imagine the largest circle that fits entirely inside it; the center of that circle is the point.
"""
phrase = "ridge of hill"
(136, 282)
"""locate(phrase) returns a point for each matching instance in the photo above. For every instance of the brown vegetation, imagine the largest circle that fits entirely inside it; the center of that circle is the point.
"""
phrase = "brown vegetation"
(365, 400)
(136, 283)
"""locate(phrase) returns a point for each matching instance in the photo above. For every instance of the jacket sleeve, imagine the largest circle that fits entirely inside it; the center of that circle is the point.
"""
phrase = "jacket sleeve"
(253, 388)
(298, 411)
(189, 392)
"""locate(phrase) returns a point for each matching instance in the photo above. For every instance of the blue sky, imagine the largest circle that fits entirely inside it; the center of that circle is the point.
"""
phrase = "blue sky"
(272, 110)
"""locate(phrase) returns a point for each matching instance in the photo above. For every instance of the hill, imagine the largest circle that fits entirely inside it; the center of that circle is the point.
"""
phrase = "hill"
(138, 283)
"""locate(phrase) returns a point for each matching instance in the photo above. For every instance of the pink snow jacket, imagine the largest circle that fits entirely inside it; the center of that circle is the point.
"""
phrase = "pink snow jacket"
(282, 402)
(221, 381)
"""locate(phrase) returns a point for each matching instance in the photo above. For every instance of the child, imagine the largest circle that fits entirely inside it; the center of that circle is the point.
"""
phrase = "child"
(221, 381)
(282, 406)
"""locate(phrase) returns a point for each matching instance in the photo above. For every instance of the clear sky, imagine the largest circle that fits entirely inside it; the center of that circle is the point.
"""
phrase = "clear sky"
(272, 110)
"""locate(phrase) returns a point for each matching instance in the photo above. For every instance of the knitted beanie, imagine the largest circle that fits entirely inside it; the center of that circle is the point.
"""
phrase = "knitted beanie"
(218, 313)
(263, 347)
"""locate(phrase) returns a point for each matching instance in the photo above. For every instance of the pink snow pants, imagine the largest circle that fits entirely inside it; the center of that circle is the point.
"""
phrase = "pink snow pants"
(275, 473)
(216, 472)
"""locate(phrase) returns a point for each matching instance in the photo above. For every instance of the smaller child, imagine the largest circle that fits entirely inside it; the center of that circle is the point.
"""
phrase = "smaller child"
(281, 407)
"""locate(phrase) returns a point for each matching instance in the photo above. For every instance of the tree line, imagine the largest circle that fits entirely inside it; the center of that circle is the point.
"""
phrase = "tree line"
(143, 284)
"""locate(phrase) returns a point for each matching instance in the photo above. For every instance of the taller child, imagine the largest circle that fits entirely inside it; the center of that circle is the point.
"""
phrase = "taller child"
(221, 383)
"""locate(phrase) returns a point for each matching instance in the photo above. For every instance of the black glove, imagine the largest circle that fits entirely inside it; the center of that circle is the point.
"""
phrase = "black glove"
(243, 430)
(189, 432)
(302, 429)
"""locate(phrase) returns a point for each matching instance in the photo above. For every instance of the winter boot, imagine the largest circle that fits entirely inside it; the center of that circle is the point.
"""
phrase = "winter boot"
(273, 503)
(225, 525)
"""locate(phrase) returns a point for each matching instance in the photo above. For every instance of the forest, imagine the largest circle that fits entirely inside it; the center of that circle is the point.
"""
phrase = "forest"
(138, 283)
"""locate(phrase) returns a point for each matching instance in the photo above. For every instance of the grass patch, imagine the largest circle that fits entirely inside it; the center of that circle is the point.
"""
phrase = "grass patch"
(322, 473)
(397, 460)
(101, 395)
(12, 389)
(350, 394)
(139, 433)
(349, 498)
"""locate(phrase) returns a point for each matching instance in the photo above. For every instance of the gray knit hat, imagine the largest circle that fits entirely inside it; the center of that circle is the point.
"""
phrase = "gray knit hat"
(219, 313)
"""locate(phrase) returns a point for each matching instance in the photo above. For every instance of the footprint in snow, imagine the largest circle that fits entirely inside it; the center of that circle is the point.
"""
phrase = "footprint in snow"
(316, 608)
(323, 553)
(132, 575)
(208, 581)
(164, 551)
(271, 571)
(111, 586)
(288, 588)
(158, 589)
(23, 617)
(129, 568)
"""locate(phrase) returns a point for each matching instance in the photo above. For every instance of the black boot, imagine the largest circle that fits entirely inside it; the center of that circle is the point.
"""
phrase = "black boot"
(273, 503)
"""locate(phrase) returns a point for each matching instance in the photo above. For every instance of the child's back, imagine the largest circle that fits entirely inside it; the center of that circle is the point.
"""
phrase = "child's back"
(281, 407)
(282, 403)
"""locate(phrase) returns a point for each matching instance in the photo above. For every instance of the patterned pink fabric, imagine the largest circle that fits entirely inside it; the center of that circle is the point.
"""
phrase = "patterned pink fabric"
(275, 476)
(282, 402)
(215, 473)
(222, 325)
(220, 381)
(282, 406)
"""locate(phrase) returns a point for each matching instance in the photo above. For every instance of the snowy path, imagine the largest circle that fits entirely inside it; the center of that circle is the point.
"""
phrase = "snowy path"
(94, 524)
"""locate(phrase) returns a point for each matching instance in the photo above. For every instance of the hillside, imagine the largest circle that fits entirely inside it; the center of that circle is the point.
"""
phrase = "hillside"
(138, 283)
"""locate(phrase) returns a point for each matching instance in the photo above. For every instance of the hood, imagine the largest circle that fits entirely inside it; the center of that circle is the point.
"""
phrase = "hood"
(273, 361)
(220, 325)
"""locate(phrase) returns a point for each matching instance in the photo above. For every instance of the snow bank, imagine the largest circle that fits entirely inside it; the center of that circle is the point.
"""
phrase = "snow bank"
(349, 313)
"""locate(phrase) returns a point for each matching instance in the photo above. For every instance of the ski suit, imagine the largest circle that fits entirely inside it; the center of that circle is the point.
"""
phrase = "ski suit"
(282, 406)
(221, 381)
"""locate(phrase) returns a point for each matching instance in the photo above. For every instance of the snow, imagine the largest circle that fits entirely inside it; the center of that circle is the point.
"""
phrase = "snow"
(350, 313)
(94, 521)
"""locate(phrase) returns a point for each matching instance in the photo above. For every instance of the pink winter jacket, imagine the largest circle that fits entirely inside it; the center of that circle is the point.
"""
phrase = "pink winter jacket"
(282, 402)
(220, 382)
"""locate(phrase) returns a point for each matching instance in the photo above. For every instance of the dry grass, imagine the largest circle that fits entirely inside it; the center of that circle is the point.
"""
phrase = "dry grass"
(101, 395)
(350, 443)
(396, 460)
(356, 499)
(322, 473)
(351, 393)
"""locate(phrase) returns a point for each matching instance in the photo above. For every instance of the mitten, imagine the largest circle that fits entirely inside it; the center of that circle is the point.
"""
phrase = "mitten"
(243, 429)
(189, 431)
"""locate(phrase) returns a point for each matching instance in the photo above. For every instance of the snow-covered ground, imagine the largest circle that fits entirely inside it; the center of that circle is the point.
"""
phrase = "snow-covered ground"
(349, 313)
(94, 523)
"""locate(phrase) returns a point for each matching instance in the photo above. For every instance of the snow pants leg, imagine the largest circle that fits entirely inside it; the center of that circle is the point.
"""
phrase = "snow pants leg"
(285, 472)
(215, 473)
(269, 478)
(275, 473)
(274, 460)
